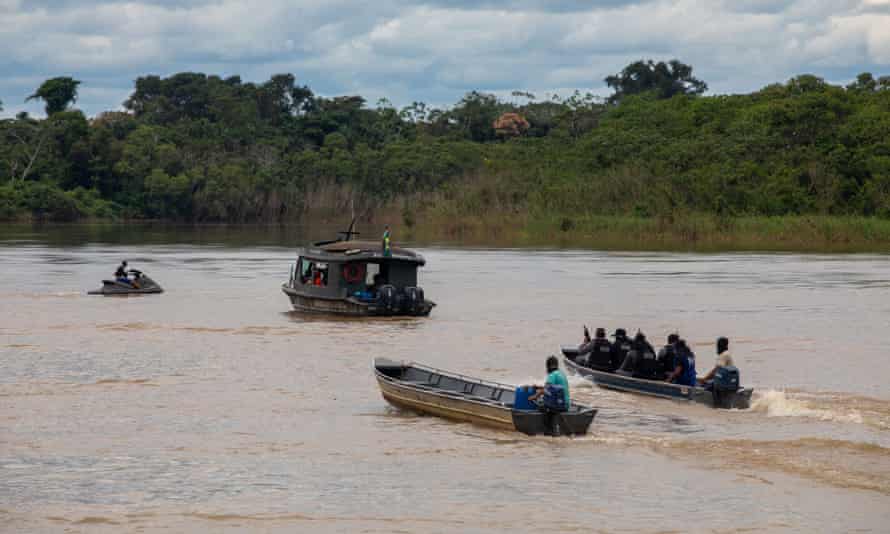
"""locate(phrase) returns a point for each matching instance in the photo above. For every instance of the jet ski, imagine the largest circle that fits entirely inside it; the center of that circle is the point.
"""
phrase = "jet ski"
(137, 284)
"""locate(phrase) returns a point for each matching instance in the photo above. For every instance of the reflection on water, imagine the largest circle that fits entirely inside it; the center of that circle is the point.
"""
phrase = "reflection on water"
(214, 407)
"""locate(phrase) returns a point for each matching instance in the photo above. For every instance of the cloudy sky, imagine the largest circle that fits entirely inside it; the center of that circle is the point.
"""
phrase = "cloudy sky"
(431, 50)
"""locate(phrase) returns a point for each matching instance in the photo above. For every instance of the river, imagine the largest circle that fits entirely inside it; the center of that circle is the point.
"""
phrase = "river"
(214, 408)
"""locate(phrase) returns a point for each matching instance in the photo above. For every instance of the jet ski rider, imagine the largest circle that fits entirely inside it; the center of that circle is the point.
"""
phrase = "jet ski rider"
(121, 273)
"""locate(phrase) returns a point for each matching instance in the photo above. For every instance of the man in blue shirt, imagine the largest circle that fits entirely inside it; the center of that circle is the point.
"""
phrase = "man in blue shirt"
(556, 383)
(684, 372)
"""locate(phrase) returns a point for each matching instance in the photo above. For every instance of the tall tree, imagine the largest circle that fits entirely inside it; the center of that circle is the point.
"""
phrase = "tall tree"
(56, 93)
(665, 79)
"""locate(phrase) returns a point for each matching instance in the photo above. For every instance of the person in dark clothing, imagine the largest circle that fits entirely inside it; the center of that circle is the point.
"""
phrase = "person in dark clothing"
(646, 365)
(640, 350)
(620, 347)
(121, 273)
(598, 351)
(666, 356)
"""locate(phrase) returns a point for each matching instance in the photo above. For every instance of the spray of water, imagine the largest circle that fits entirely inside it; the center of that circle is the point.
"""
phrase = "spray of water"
(777, 403)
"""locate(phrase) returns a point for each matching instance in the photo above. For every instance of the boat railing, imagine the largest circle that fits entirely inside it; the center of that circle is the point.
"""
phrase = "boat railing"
(463, 377)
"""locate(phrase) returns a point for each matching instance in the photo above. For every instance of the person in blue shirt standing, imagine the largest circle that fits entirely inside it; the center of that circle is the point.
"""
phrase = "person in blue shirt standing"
(684, 359)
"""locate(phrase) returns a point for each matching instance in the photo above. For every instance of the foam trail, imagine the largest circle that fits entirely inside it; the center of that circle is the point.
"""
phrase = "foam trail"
(776, 403)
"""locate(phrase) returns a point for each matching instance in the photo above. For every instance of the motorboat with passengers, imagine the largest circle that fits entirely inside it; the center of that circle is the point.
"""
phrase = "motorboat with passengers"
(724, 393)
(137, 283)
(352, 277)
(453, 396)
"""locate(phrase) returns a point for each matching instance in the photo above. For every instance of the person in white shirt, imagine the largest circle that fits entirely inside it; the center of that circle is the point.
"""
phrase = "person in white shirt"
(724, 359)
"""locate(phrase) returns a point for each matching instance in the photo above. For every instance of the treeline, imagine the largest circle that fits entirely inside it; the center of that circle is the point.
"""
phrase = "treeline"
(194, 147)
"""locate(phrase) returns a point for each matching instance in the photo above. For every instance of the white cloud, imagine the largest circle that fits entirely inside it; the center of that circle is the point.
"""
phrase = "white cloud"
(432, 50)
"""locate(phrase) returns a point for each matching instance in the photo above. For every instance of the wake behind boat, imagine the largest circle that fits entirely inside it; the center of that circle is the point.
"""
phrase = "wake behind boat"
(453, 396)
(139, 284)
(739, 398)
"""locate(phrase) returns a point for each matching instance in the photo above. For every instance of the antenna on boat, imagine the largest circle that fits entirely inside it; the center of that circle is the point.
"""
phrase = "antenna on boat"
(347, 235)
(342, 236)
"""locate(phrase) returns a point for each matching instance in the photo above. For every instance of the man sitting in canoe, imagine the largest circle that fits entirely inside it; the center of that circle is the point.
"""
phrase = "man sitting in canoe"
(724, 360)
(640, 360)
(684, 372)
(598, 351)
(555, 392)
(666, 356)
(620, 347)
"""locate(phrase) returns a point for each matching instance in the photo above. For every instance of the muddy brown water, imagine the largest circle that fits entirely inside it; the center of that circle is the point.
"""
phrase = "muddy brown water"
(214, 408)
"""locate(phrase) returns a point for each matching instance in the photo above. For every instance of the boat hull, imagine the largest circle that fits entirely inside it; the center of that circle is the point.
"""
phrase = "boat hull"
(442, 406)
(113, 287)
(492, 410)
(347, 306)
(740, 399)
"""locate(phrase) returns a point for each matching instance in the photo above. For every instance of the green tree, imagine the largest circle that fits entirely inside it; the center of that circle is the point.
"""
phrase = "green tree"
(665, 79)
(865, 82)
(56, 93)
(474, 116)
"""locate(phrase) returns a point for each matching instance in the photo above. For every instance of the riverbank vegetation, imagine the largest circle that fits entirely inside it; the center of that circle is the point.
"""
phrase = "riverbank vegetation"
(656, 163)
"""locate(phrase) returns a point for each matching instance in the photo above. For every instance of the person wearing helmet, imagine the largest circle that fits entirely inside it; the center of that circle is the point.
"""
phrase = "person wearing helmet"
(599, 350)
(620, 347)
(724, 358)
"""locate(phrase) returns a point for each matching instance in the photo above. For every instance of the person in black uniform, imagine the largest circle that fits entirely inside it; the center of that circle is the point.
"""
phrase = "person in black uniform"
(646, 365)
(620, 347)
(667, 356)
(599, 351)
(640, 350)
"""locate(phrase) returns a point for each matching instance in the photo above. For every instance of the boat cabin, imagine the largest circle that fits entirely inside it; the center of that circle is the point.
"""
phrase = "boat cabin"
(359, 274)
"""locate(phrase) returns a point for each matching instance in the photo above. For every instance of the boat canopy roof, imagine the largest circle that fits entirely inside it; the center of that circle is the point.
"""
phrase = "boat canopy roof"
(354, 250)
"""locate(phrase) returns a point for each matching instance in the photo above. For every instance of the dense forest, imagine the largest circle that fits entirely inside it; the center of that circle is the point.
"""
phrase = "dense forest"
(201, 148)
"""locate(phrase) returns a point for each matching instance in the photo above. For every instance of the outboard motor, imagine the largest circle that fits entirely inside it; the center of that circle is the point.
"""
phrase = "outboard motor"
(414, 300)
(389, 299)
(726, 383)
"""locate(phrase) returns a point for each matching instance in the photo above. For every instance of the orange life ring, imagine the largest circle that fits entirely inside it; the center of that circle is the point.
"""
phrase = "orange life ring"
(354, 272)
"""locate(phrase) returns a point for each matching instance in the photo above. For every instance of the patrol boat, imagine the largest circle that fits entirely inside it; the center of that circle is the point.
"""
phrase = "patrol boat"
(433, 391)
(352, 277)
(729, 395)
